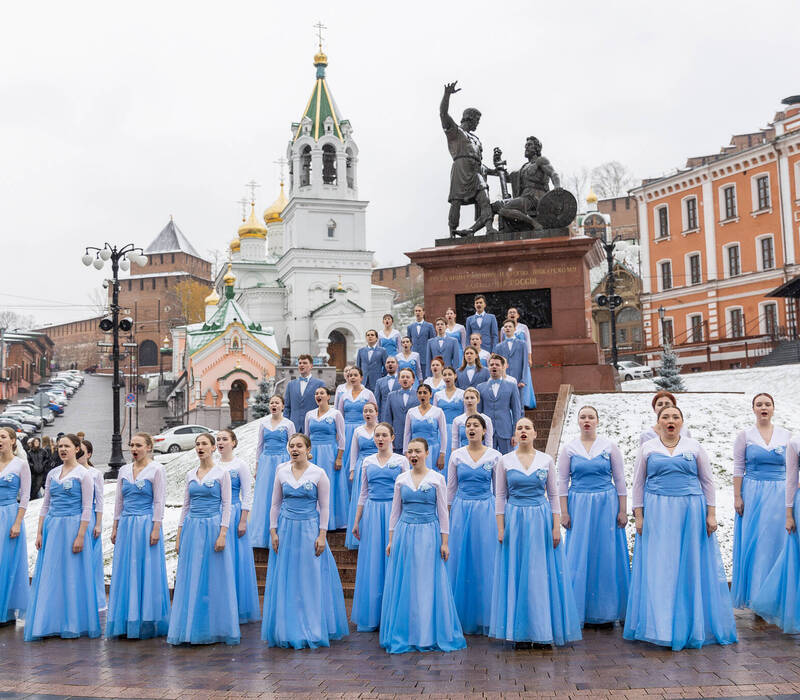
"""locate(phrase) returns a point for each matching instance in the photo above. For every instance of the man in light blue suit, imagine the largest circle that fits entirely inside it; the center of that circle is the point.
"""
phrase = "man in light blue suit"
(397, 404)
(298, 398)
(420, 332)
(483, 323)
(371, 360)
(500, 401)
(515, 352)
(386, 383)
(443, 345)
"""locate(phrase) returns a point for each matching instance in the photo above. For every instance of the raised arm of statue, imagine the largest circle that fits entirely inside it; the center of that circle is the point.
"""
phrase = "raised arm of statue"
(447, 120)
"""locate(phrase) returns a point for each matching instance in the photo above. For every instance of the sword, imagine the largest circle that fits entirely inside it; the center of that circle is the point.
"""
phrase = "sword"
(502, 173)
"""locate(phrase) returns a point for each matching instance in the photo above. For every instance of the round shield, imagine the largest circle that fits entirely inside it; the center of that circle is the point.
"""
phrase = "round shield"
(557, 208)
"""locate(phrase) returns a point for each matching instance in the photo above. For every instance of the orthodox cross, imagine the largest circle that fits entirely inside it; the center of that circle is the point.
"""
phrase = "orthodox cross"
(281, 162)
(252, 186)
(243, 205)
(319, 26)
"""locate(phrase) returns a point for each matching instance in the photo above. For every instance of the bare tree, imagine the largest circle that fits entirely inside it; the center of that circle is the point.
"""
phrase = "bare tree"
(577, 182)
(11, 320)
(98, 302)
(191, 296)
(217, 258)
(612, 179)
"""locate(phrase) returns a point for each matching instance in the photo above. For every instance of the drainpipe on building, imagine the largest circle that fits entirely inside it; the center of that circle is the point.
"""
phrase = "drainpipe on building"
(792, 317)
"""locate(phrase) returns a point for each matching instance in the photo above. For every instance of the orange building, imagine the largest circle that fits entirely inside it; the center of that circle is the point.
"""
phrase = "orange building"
(716, 238)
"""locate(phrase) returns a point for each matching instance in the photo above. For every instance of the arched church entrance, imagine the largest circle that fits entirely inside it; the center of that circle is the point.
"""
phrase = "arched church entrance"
(236, 400)
(337, 350)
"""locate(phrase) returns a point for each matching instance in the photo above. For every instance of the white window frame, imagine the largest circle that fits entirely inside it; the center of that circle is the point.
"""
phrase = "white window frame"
(685, 214)
(689, 336)
(759, 258)
(660, 277)
(729, 323)
(754, 193)
(657, 222)
(726, 259)
(671, 320)
(688, 268)
(762, 316)
(722, 213)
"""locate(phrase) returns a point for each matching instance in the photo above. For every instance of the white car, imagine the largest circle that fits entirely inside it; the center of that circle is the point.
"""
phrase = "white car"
(628, 369)
(179, 438)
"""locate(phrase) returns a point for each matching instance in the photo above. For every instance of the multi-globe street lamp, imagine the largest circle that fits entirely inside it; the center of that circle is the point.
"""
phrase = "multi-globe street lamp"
(121, 258)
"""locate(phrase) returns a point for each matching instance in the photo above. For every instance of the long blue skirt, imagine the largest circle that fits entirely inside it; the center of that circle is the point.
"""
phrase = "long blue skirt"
(14, 588)
(470, 568)
(258, 524)
(138, 604)
(371, 567)
(597, 556)
(97, 563)
(324, 456)
(758, 537)
(204, 608)
(303, 603)
(679, 594)
(63, 600)
(778, 597)
(418, 612)
(528, 396)
(532, 599)
(244, 568)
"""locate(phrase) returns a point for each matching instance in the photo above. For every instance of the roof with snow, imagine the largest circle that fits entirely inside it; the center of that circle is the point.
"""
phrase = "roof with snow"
(171, 240)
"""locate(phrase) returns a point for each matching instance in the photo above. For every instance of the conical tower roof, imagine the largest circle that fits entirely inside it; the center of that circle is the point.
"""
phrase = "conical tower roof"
(321, 104)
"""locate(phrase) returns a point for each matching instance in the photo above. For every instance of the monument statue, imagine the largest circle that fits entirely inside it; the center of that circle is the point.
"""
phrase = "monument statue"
(468, 174)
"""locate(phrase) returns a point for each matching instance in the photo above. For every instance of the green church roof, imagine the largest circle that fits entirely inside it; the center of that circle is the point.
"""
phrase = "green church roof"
(321, 105)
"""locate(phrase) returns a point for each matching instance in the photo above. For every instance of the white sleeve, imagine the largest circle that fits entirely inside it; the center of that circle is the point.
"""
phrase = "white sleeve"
(552, 489)
(24, 484)
(118, 500)
(159, 494)
(324, 500)
(46, 500)
(246, 486)
(407, 431)
(442, 422)
(340, 430)
(397, 506)
(739, 449)
(363, 493)
(354, 451)
(639, 476)
(564, 471)
(489, 440)
(441, 506)
(98, 491)
(618, 470)
(277, 500)
(706, 478)
(453, 439)
(452, 478)
(791, 472)
(500, 488)
(225, 484)
(306, 422)
(87, 496)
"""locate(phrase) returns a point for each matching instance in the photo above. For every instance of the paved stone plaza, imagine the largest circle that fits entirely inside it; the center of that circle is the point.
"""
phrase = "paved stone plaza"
(763, 663)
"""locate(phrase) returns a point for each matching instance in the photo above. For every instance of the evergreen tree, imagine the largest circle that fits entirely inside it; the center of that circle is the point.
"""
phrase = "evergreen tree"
(669, 378)
(261, 404)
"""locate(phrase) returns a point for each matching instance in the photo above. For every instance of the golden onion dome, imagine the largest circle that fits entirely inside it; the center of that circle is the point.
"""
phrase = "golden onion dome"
(272, 213)
(235, 245)
(591, 198)
(320, 58)
(229, 278)
(252, 228)
(212, 299)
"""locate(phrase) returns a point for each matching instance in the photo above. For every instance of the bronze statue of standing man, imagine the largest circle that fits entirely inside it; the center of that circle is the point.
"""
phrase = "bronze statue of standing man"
(468, 174)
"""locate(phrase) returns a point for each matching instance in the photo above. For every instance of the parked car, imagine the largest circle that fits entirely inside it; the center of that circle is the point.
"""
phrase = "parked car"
(179, 438)
(45, 413)
(628, 369)
(18, 427)
(24, 418)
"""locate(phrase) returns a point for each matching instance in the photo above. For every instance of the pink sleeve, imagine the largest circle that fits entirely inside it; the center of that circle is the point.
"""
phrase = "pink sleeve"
(225, 484)
(159, 494)
(441, 506)
(24, 484)
(363, 493)
(500, 488)
(397, 506)
(87, 496)
(118, 500)
(564, 471)
(277, 499)
(354, 451)
(340, 431)
(185, 507)
(246, 488)
(46, 500)
(739, 448)
(324, 500)
(706, 478)
(452, 480)
(618, 470)
(639, 476)
(97, 477)
(791, 472)
(552, 490)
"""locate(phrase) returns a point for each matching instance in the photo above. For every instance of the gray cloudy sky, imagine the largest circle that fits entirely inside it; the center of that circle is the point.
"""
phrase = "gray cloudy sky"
(116, 115)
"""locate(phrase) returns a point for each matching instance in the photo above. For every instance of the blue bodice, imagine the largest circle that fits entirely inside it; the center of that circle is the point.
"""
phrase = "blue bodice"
(590, 474)
(418, 506)
(526, 489)
(426, 427)
(299, 503)
(410, 363)
(451, 408)
(366, 447)
(388, 344)
(205, 500)
(456, 335)
(474, 483)
(765, 465)
(236, 488)
(65, 497)
(322, 431)
(274, 442)
(674, 475)
(380, 482)
(519, 335)
(353, 409)
(137, 497)
(9, 488)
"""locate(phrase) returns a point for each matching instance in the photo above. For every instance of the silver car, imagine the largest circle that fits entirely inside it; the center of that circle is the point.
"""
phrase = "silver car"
(628, 369)
(179, 438)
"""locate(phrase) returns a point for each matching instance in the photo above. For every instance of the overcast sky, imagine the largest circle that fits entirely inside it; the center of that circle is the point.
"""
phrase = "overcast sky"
(114, 116)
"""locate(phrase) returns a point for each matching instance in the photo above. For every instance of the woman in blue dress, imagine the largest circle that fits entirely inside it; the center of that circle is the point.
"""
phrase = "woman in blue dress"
(408, 359)
(428, 422)
(273, 434)
(417, 611)
(473, 544)
(204, 605)
(471, 398)
(138, 604)
(759, 488)
(451, 401)
(15, 492)
(362, 446)
(455, 330)
(65, 553)
(661, 399)
(594, 513)
(350, 404)
(325, 427)
(303, 603)
(679, 594)
(96, 525)
(436, 380)
(389, 336)
(238, 539)
(532, 600)
(371, 527)
(522, 333)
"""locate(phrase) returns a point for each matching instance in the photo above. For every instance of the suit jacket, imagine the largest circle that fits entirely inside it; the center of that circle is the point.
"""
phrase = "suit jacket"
(449, 351)
(382, 389)
(394, 412)
(517, 356)
(462, 380)
(295, 405)
(505, 409)
(419, 341)
(488, 329)
(372, 369)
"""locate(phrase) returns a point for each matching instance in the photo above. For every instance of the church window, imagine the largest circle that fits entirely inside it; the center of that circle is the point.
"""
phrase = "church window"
(394, 273)
(305, 166)
(331, 228)
(351, 173)
(328, 164)
(141, 285)
(154, 282)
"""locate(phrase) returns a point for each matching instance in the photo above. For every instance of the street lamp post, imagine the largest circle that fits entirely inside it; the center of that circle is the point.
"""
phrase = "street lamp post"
(661, 313)
(120, 258)
(610, 299)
